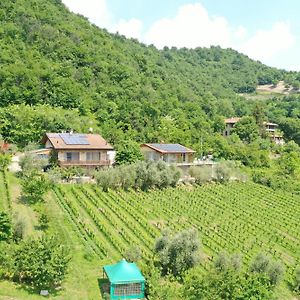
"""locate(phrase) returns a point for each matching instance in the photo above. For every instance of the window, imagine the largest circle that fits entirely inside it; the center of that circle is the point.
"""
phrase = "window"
(72, 156)
(69, 156)
(93, 156)
(128, 289)
(183, 157)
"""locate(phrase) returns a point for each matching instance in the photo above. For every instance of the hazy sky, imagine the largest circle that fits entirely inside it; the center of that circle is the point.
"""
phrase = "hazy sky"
(265, 30)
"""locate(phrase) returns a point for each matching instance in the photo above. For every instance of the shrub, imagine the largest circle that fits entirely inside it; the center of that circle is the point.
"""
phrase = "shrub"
(265, 265)
(34, 186)
(201, 174)
(5, 227)
(178, 253)
(41, 263)
(19, 229)
(5, 160)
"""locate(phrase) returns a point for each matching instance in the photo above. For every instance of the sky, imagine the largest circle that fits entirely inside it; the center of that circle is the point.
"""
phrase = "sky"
(265, 30)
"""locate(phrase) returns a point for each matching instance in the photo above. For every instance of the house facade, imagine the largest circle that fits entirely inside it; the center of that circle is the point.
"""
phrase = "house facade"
(79, 150)
(169, 153)
(271, 129)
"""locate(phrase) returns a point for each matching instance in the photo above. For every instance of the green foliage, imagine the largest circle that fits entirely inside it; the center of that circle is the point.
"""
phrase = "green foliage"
(265, 265)
(228, 285)
(178, 253)
(296, 282)
(85, 75)
(142, 175)
(40, 263)
(128, 152)
(201, 174)
(34, 186)
(289, 164)
(5, 227)
(246, 129)
(5, 160)
(19, 228)
(24, 124)
(225, 262)
(158, 288)
(43, 221)
(29, 162)
(133, 254)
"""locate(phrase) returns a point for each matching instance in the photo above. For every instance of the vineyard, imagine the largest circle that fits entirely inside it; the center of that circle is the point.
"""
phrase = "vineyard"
(241, 218)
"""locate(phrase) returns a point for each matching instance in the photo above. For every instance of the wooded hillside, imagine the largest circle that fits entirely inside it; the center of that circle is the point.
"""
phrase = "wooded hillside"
(51, 58)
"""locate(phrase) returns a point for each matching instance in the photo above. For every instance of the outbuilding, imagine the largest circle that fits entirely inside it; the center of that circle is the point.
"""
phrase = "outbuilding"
(125, 280)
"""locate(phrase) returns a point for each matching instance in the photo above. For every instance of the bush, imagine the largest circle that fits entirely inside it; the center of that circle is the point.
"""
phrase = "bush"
(133, 254)
(5, 160)
(224, 171)
(41, 263)
(128, 152)
(142, 175)
(297, 280)
(178, 253)
(34, 186)
(19, 229)
(263, 264)
(5, 227)
(225, 262)
(30, 162)
(201, 174)
(43, 221)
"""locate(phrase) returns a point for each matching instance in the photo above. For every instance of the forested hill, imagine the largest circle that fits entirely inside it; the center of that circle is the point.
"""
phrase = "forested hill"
(50, 56)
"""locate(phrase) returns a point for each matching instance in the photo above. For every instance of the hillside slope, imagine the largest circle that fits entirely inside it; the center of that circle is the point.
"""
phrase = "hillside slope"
(50, 56)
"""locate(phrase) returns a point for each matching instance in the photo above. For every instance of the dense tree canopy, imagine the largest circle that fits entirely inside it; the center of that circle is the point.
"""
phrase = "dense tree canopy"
(68, 74)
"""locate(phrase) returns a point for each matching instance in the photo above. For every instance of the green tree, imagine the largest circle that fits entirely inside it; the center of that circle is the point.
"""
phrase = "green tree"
(5, 227)
(178, 253)
(5, 160)
(128, 152)
(289, 164)
(41, 263)
(246, 129)
(34, 186)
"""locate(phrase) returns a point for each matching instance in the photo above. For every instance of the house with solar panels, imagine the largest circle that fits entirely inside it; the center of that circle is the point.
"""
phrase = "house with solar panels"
(169, 153)
(79, 150)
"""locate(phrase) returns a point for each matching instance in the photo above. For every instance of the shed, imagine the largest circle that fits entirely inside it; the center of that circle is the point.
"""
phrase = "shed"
(126, 280)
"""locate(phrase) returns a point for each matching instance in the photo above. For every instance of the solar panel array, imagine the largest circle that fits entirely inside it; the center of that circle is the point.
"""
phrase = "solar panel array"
(74, 139)
(170, 147)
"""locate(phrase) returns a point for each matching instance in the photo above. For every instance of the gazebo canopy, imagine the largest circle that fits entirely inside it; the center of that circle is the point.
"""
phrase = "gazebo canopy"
(123, 272)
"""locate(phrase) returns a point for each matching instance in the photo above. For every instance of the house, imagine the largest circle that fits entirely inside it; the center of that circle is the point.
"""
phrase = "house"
(170, 153)
(271, 129)
(78, 149)
(125, 281)
(229, 125)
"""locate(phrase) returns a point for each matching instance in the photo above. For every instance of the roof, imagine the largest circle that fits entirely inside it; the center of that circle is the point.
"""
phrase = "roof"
(232, 120)
(236, 119)
(270, 124)
(169, 148)
(122, 272)
(66, 141)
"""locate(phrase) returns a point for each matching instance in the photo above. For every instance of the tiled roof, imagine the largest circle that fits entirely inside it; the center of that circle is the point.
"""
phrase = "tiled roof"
(232, 120)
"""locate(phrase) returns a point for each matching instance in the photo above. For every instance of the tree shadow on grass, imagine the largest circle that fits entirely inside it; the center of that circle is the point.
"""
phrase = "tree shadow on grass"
(103, 285)
(36, 291)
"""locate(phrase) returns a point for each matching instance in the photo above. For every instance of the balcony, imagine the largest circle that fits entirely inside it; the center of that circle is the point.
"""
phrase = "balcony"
(84, 163)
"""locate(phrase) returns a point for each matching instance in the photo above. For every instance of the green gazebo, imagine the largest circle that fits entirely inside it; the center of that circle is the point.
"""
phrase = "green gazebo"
(126, 280)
